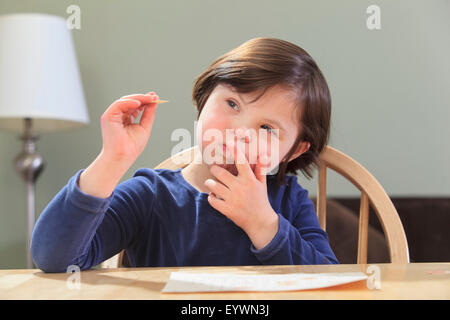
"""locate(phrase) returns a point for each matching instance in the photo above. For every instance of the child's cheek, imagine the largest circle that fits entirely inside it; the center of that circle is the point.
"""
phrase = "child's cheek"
(212, 127)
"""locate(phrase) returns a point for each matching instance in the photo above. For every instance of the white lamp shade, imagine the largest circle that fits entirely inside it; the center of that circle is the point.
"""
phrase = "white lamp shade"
(39, 75)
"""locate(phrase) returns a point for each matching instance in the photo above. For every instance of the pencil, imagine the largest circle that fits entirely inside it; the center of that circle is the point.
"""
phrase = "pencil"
(160, 101)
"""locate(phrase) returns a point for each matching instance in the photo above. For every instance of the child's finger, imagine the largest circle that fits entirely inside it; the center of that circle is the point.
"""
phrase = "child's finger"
(217, 203)
(122, 106)
(264, 158)
(127, 104)
(261, 169)
(240, 159)
(148, 116)
(135, 113)
(217, 188)
(143, 98)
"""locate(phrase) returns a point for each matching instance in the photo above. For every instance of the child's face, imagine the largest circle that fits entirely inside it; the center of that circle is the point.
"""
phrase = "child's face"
(227, 113)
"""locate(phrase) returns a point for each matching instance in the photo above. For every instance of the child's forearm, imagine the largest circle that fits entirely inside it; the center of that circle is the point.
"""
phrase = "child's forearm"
(102, 176)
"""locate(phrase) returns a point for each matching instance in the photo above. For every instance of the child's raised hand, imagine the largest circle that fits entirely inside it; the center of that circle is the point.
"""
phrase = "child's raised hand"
(124, 140)
(243, 198)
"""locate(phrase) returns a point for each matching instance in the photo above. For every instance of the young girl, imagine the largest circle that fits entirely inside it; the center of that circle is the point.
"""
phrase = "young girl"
(208, 213)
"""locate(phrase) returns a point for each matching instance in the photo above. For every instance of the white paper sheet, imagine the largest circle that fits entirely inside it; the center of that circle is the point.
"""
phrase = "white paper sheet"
(216, 282)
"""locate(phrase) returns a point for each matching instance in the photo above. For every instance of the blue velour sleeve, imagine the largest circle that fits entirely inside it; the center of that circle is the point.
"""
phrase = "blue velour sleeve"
(79, 229)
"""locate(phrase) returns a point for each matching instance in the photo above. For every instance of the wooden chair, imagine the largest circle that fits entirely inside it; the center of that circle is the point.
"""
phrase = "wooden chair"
(372, 193)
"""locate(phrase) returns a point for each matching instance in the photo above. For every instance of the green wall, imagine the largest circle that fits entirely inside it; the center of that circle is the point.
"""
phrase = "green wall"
(390, 87)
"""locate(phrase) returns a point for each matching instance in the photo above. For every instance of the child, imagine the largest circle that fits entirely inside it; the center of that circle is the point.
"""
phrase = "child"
(208, 213)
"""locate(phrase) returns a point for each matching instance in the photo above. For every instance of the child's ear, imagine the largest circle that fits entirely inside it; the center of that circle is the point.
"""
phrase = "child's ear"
(301, 149)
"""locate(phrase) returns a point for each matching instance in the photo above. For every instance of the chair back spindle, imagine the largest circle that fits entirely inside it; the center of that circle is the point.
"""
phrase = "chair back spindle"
(363, 230)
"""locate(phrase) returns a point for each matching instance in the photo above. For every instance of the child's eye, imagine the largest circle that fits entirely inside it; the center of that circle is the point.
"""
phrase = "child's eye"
(269, 128)
(232, 104)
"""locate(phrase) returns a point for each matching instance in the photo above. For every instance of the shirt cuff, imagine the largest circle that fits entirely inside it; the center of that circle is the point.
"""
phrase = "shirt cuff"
(277, 242)
(85, 201)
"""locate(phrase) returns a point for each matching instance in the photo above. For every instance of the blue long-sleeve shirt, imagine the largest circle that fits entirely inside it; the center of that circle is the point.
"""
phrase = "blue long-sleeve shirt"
(162, 220)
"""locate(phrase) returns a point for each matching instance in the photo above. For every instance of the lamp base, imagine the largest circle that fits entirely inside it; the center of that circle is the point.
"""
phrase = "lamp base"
(29, 165)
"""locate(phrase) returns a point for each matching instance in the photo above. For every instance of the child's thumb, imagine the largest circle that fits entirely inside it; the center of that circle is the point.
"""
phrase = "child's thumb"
(148, 116)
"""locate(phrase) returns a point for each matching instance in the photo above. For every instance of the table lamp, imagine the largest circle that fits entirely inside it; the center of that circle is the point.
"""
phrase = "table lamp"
(40, 90)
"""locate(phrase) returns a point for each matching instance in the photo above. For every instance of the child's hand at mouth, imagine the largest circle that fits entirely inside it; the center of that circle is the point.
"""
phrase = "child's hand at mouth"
(251, 150)
(243, 197)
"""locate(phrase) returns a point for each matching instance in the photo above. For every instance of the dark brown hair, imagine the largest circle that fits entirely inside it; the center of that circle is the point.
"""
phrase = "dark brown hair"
(261, 63)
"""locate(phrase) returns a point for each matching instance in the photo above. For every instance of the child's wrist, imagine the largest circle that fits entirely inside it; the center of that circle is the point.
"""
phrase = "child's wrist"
(101, 177)
(261, 234)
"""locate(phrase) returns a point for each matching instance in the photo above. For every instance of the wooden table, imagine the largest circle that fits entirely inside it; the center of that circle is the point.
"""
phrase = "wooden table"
(398, 281)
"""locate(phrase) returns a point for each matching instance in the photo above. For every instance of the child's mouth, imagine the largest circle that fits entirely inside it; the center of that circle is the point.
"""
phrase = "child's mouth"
(228, 164)
(231, 168)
